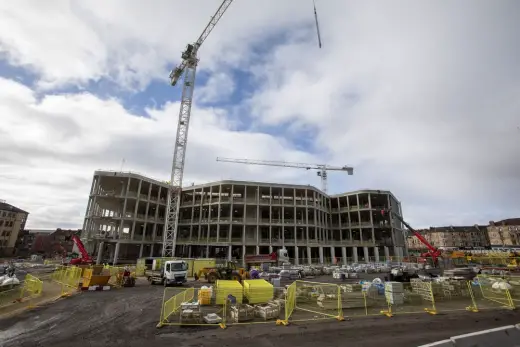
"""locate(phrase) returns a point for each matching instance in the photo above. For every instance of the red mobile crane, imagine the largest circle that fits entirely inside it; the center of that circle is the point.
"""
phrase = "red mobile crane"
(85, 258)
(433, 252)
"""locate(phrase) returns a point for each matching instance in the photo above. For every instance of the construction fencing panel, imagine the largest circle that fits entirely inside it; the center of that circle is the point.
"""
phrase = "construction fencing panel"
(69, 278)
(453, 295)
(192, 307)
(494, 293)
(31, 288)
(223, 306)
(116, 275)
(289, 303)
(390, 298)
(514, 290)
(314, 301)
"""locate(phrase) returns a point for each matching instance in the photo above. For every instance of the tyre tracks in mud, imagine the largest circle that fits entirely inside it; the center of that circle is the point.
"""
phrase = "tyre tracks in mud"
(128, 317)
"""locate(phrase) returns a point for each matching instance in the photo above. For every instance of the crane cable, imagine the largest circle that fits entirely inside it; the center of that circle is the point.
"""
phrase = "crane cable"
(317, 24)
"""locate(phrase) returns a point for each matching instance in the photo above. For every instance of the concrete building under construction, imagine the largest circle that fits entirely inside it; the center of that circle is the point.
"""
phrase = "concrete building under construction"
(229, 219)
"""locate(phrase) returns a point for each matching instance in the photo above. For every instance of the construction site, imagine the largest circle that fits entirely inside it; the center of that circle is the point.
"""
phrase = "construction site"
(230, 219)
(265, 264)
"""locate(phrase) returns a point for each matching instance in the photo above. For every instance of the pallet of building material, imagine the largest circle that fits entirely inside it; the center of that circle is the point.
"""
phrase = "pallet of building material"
(267, 311)
(353, 300)
(394, 298)
(242, 313)
(212, 318)
(226, 288)
(394, 287)
(192, 305)
(351, 288)
(190, 317)
(372, 292)
(258, 291)
(324, 300)
(279, 302)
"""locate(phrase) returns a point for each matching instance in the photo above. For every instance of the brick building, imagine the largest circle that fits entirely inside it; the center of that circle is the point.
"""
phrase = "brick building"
(12, 220)
(46, 242)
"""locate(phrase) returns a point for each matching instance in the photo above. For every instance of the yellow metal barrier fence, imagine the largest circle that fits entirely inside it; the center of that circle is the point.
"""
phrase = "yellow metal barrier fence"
(69, 278)
(31, 288)
(494, 293)
(223, 306)
(313, 301)
(404, 298)
(308, 301)
(290, 303)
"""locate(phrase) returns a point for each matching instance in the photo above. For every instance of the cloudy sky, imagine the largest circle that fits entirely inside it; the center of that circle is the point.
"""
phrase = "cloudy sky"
(421, 97)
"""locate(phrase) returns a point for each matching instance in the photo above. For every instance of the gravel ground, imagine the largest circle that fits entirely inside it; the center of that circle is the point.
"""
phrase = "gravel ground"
(127, 317)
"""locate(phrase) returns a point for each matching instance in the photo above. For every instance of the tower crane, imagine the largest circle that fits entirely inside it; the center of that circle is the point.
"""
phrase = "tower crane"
(322, 168)
(188, 67)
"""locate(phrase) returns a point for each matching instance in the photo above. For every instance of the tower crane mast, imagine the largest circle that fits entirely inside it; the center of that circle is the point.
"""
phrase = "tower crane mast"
(188, 67)
(322, 168)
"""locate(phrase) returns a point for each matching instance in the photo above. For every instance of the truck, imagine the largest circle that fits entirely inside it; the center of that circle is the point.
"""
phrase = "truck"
(172, 272)
(277, 258)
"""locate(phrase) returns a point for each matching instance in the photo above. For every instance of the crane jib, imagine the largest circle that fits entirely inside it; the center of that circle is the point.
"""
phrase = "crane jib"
(188, 66)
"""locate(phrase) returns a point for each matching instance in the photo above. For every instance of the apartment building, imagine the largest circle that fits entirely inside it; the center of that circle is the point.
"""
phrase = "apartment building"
(12, 220)
(451, 237)
(125, 220)
(504, 233)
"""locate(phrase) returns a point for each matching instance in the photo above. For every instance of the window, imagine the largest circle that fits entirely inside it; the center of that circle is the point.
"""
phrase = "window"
(1, 223)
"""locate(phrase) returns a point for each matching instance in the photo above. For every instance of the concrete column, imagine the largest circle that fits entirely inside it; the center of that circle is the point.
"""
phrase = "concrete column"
(141, 250)
(321, 254)
(270, 249)
(100, 253)
(376, 254)
(243, 255)
(207, 249)
(296, 256)
(365, 254)
(116, 253)
(387, 254)
(354, 254)
(229, 253)
(257, 249)
(309, 253)
(332, 254)
(344, 255)
(151, 250)
(400, 253)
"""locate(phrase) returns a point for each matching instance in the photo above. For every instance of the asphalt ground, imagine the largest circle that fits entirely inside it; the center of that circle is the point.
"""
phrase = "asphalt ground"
(128, 317)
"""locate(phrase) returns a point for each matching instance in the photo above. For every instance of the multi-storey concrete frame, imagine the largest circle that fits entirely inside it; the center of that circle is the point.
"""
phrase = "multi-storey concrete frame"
(229, 219)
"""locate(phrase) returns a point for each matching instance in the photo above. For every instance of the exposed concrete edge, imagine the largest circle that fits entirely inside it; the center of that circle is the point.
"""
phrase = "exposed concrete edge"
(482, 332)
(443, 343)
(452, 341)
